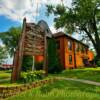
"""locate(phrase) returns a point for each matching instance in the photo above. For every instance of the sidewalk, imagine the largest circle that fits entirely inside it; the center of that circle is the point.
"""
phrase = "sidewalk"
(82, 81)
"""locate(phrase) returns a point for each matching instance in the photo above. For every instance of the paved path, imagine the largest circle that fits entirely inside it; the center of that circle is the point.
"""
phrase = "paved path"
(82, 81)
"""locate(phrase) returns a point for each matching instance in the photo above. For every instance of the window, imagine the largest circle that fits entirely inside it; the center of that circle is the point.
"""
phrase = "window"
(77, 47)
(70, 59)
(69, 45)
(82, 49)
(58, 44)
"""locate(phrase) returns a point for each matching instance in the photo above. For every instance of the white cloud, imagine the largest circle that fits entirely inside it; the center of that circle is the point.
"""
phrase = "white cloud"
(18, 9)
(53, 29)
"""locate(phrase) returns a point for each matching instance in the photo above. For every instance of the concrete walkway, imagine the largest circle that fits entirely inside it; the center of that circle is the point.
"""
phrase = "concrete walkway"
(82, 81)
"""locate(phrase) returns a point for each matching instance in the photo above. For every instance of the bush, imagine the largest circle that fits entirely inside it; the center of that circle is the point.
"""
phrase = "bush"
(38, 65)
(32, 76)
(54, 65)
(27, 63)
(98, 62)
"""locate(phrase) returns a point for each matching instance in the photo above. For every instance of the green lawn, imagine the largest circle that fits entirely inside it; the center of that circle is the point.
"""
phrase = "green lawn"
(61, 90)
(5, 74)
(84, 73)
(5, 79)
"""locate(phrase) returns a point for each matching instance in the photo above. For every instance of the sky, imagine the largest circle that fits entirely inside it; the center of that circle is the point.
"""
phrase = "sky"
(12, 12)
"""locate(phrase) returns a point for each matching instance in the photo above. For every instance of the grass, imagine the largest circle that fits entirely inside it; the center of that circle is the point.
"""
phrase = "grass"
(5, 74)
(61, 90)
(83, 73)
(5, 79)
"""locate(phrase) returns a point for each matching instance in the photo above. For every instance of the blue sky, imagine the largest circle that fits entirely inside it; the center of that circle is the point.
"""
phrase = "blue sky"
(6, 23)
(12, 12)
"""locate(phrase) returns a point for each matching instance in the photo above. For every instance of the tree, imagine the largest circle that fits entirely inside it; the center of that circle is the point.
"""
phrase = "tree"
(54, 65)
(3, 54)
(10, 39)
(82, 17)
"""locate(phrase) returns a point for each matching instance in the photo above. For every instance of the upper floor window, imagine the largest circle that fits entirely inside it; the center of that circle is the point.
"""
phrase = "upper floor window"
(69, 45)
(77, 47)
(58, 44)
(70, 59)
(82, 49)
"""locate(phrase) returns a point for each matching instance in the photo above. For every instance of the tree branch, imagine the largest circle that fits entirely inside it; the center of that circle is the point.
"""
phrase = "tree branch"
(90, 37)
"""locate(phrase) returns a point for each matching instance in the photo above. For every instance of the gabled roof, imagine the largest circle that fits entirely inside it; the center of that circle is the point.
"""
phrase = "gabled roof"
(60, 34)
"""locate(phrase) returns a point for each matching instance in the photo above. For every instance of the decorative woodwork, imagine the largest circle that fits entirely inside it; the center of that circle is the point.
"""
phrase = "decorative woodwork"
(33, 41)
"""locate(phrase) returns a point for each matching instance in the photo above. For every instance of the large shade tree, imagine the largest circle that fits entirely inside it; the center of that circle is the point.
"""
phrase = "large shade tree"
(10, 39)
(83, 17)
(3, 54)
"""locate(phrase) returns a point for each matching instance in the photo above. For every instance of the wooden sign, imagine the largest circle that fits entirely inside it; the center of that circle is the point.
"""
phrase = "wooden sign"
(33, 41)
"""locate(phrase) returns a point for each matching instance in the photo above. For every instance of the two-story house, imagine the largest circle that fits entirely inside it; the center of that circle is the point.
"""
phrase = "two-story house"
(72, 53)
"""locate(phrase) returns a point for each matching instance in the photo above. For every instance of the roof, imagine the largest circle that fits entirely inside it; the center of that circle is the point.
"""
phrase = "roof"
(60, 34)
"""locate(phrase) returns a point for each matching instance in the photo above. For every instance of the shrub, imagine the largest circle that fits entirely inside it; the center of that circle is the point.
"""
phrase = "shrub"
(38, 65)
(98, 62)
(27, 63)
(54, 65)
(32, 76)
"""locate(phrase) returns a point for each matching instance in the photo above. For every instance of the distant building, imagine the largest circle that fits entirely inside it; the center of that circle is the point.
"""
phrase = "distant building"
(6, 66)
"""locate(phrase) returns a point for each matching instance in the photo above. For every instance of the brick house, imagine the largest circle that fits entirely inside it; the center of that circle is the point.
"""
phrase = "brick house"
(72, 53)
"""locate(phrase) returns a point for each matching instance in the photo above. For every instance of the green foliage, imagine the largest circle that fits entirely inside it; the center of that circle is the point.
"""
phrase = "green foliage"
(27, 63)
(83, 17)
(98, 62)
(38, 65)
(54, 65)
(79, 15)
(10, 39)
(32, 76)
(3, 54)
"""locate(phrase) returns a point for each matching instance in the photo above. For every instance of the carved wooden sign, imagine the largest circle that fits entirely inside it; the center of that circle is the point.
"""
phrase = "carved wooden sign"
(33, 41)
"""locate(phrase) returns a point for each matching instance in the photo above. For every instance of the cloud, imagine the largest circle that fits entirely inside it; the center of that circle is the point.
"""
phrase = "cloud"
(18, 9)
(53, 29)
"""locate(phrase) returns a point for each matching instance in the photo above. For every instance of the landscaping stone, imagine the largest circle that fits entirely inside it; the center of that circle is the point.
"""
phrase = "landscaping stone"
(10, 91)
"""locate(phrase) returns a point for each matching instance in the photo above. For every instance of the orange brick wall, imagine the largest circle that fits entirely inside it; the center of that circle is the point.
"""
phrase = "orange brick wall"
(67, 53)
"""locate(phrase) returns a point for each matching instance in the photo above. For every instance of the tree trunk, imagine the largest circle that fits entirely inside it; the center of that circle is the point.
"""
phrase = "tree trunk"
(95, 42)
(98, 50)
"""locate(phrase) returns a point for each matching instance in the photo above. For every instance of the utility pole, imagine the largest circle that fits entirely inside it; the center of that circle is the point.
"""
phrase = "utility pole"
(62, 3)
